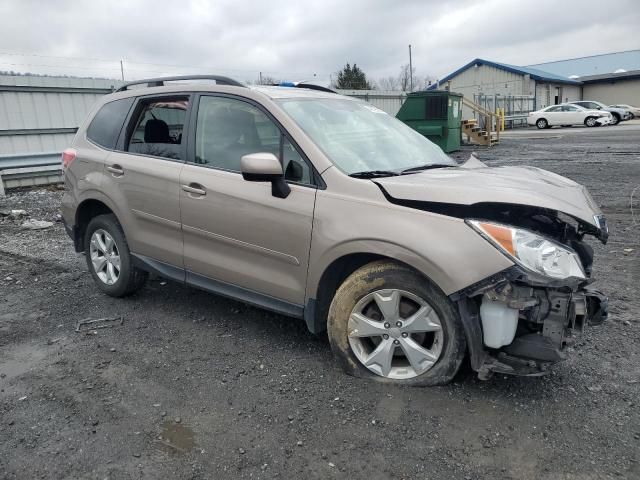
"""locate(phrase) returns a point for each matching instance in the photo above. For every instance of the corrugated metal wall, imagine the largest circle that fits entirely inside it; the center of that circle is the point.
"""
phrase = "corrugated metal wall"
(387, 101)
(488, 80)
(619, 91)
(41, 114)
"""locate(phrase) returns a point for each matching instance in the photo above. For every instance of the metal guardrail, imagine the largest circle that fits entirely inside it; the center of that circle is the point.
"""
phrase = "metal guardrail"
(29, 169)
(20, 160)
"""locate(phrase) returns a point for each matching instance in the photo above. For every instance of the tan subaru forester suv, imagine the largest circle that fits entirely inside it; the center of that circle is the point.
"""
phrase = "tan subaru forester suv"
(324, 208)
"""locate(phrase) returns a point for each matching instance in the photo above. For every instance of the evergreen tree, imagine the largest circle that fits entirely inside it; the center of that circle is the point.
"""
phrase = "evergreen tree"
(352, 78)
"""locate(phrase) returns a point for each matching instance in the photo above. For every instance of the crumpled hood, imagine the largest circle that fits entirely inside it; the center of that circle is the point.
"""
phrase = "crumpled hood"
(474, 182)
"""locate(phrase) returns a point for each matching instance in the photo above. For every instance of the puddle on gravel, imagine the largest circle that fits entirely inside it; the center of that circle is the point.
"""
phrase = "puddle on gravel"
(21, 359)
(175, 438)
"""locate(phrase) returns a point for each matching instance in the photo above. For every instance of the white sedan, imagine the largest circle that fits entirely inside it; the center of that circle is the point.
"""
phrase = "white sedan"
(567, 115)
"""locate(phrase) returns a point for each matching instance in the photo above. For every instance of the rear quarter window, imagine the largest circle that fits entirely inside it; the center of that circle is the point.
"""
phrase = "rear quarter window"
(105, 127)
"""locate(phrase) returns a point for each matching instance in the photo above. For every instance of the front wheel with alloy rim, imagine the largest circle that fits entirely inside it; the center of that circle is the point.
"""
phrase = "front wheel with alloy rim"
(109, 259)
(389, 323)
(615, 119)
(591, 122)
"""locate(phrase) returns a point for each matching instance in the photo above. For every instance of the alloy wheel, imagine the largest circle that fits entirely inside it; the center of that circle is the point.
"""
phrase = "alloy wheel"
(395, 334)
(105, 257)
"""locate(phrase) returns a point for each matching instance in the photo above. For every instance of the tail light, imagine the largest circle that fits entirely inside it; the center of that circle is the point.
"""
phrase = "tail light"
(68, 156)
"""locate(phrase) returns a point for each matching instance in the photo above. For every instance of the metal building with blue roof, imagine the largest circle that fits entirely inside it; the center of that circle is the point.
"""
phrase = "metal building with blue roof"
(609, 78)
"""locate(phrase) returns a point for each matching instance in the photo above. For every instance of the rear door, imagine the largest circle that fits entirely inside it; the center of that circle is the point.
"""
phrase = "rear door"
(143, 177)
(236, 233)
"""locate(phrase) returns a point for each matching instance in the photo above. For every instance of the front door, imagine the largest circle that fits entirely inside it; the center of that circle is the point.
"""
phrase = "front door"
(573, 114)
(235, 232)
(554, 115)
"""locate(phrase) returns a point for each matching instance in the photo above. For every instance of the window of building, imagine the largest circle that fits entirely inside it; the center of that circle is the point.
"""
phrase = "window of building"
(159, 128)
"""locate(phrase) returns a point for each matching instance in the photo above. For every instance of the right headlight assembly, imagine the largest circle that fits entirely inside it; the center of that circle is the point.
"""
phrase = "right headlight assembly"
(532, 251)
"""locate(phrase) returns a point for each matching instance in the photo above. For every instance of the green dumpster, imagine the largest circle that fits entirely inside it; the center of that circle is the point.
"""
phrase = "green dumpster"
(436, 114)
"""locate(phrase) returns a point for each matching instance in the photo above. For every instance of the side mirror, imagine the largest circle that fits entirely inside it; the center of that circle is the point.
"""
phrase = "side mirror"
(265, 167)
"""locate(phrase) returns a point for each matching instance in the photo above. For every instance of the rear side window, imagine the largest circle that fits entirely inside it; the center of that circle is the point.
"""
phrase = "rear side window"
(158, 128)
(106, 125)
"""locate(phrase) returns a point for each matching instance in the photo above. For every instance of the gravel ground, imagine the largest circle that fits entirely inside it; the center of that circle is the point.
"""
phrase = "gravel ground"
(194, 386)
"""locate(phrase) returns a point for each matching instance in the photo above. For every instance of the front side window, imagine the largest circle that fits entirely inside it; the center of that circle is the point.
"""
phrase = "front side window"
(553, 109)
(105, 127)
(358, 137)
(227, 129)
(158, 128)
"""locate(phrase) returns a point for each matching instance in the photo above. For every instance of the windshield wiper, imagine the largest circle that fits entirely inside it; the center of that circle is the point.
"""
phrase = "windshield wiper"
(420, 168)
(374, 174)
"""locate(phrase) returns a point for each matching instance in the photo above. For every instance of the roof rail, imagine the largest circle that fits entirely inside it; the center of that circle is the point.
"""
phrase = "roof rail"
(159, 82)
(311, 86)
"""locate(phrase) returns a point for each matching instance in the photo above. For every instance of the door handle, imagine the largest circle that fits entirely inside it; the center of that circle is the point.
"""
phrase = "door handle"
(116, 170)
(194, 188)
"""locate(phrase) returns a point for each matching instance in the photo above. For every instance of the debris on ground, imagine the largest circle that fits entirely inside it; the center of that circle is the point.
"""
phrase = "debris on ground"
(36, 224)
(18, 213)
(98, 323)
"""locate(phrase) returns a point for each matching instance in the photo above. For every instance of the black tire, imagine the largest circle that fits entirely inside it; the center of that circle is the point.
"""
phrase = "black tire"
(130, 279)
(591, 122)
(542, 123)
(615, 119)
(386, 274)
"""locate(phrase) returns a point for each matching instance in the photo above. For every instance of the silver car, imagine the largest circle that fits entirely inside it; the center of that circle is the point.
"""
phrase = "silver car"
(635, 111)
(618, 114)
(324, 208)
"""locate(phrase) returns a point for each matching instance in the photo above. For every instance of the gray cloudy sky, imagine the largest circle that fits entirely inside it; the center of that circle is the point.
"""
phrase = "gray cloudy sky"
(294, 40)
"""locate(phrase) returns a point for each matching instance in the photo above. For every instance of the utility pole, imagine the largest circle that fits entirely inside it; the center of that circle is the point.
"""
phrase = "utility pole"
(410, 71)
(122, 70)
(260, 78)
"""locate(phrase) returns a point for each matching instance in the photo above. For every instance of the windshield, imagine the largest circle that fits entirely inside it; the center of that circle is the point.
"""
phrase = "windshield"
(358, 137)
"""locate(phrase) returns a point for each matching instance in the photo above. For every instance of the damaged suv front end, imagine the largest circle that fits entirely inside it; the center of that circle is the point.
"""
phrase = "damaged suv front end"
(531, 312)
(520, 320)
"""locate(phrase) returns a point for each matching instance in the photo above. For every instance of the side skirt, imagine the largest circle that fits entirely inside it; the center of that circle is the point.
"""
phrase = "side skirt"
(218, 287)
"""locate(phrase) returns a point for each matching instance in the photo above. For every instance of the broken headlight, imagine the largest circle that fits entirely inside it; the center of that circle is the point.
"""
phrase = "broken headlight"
(532, 251)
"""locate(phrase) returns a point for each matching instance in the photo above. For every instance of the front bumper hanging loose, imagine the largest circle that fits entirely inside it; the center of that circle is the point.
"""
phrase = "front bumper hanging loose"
(550, 319)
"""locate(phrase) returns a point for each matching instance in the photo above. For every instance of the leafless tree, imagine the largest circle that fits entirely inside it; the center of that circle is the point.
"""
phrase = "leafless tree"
(404, 79)
(388, 83)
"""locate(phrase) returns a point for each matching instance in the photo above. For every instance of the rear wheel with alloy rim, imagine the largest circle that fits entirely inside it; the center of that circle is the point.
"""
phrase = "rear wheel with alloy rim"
(389, 323)
(109, 259)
